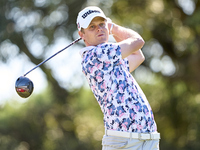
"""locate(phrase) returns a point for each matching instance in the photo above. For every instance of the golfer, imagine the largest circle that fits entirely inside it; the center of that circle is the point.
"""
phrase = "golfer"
(128, 118)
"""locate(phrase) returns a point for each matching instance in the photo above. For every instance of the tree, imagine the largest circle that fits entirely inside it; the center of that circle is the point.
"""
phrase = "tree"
(170, 29)
(26, 22)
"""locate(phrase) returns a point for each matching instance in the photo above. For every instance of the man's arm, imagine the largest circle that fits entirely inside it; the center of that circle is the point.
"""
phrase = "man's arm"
(131, 43)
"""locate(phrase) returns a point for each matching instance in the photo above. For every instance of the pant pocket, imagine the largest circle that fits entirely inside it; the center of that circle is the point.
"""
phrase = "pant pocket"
(114, 142)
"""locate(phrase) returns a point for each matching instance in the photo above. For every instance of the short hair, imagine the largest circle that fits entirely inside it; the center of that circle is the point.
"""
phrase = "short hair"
(82, 30)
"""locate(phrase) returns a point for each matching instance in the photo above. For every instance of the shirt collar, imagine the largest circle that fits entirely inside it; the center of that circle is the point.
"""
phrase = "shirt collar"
(85, 49)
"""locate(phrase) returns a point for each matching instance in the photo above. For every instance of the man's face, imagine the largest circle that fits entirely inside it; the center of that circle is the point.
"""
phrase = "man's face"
(96, 33)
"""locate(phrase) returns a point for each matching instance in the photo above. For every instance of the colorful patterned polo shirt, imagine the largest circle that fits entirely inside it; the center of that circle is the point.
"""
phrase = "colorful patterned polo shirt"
(123, 103)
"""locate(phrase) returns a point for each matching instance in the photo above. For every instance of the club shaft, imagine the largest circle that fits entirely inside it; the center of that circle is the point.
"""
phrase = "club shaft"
(53, 55)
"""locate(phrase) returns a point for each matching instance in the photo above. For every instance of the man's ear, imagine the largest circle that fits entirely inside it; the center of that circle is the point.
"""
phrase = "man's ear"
(81, 34)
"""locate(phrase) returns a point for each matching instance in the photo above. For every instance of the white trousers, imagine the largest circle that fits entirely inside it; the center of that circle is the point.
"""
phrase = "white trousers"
(118, 143)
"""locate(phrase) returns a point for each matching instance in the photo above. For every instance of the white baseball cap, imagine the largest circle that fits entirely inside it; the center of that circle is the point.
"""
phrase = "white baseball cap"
(86, 15)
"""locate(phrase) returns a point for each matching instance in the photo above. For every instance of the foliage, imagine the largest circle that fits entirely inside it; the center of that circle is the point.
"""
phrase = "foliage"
(43, 124)
(171, 31)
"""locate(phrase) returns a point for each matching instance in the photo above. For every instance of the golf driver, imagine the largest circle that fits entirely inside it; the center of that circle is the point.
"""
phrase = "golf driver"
(24, 86)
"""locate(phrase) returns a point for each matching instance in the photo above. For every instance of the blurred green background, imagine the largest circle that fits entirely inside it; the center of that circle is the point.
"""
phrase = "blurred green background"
(62, 113)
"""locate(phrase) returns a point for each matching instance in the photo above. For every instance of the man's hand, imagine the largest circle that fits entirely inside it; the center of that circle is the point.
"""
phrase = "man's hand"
(110, 24)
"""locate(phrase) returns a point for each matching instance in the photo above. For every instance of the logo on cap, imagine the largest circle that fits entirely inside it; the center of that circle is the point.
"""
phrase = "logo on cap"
(90, 12)
(78, 25)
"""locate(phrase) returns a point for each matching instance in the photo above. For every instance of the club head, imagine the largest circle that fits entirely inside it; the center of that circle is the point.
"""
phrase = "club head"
(24, 87)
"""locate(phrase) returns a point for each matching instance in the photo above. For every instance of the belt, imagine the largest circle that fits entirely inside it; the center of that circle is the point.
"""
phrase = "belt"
(132, 135)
